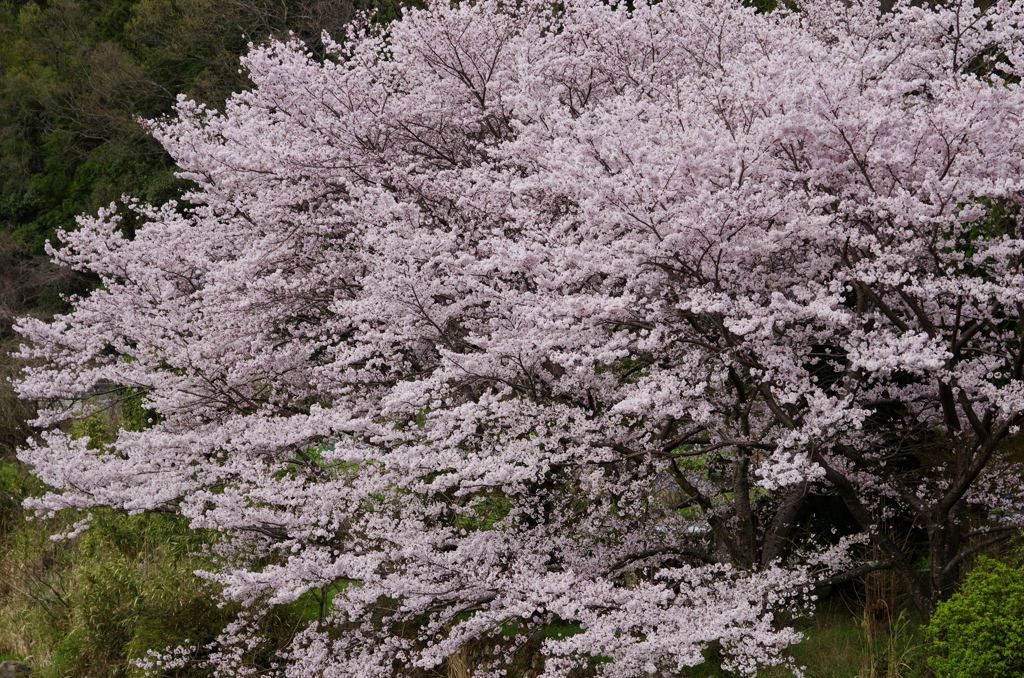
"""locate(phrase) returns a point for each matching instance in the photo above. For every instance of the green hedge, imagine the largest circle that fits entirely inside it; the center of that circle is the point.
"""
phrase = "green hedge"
(979, 632)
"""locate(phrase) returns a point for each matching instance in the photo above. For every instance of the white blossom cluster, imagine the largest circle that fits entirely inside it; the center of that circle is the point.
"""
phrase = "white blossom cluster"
(522, 315)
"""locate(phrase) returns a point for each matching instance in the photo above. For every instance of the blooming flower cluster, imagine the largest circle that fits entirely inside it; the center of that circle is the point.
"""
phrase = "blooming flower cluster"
(531, 315)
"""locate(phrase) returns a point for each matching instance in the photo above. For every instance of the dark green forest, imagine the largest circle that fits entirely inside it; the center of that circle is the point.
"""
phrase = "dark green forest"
(78, 75)
(76, 78)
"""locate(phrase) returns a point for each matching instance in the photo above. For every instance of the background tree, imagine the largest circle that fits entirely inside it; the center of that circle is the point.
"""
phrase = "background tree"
(77, 74)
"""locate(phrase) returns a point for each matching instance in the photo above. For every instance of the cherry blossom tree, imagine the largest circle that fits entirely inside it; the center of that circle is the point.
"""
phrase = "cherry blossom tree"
(513, 316)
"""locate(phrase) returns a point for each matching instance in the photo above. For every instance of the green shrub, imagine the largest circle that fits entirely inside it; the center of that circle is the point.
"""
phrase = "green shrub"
(979, 632)
(131, 589)
(86, 607)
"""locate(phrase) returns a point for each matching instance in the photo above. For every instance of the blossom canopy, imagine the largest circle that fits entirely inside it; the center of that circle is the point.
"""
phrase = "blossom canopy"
(515, 317)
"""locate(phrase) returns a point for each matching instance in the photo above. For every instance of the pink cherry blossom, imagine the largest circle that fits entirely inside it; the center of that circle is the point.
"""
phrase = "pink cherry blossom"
(512, 315)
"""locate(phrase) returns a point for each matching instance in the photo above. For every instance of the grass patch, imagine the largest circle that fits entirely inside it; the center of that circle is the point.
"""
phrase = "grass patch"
(837, 644)
(87, 606)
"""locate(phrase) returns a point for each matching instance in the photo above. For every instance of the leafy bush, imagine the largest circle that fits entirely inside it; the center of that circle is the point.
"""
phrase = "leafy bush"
(90, 605)
(979, 632)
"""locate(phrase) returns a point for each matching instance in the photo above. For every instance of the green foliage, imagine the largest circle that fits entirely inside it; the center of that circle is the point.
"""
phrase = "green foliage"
(122, 409)
(69, 88)
(95, 428)
(130, 588)
(762, 6)
(86, 607)
(979, 632)
(486, 511)
(75, 75)
(15, 484)
(133, 416)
